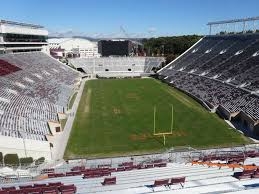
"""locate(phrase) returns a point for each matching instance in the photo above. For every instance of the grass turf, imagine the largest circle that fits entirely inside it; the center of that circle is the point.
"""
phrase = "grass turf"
(115, 117)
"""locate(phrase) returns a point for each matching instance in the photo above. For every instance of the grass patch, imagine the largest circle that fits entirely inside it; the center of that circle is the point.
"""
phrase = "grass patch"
(115, 117)
(72, 100)
(63, 123)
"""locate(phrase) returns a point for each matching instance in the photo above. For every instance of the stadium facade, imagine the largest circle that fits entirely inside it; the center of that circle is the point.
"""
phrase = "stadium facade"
(22, 37)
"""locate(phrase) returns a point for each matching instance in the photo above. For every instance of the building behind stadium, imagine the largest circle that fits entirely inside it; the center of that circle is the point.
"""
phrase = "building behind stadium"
(73, 47)
(120, 47)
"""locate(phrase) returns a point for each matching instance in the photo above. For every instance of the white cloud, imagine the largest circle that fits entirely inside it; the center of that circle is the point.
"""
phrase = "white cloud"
(151, 32)
(152, 29)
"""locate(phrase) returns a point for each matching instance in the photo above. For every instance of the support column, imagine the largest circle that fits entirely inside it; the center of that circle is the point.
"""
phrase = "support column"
(210, 28)
(244, 27)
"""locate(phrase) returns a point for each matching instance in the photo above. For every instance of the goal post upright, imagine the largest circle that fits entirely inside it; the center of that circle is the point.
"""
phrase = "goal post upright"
(163, 133)
(172, 121)
(154, 132)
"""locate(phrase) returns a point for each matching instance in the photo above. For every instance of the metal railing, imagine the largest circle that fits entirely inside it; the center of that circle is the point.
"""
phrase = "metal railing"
(174, 155)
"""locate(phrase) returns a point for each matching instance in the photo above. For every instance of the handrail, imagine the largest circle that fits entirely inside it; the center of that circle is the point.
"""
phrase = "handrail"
(210, 164)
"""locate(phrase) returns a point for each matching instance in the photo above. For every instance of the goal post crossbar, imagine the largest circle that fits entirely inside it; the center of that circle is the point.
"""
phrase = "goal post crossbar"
(161, 134)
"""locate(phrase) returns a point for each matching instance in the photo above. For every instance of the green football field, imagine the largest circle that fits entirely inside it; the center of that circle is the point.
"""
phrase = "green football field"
(116, 117)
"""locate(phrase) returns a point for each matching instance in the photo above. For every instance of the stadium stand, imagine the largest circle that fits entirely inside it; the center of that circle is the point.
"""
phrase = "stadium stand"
(204, 171)
(34, 89)
(118, 66)
(184, 178)
(56, 187)
(222, 73)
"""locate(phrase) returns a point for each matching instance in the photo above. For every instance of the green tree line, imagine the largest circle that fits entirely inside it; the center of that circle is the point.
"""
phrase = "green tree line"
(169, 47)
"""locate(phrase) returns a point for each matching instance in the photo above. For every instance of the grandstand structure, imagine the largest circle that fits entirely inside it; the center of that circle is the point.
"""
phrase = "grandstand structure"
(206, 171)
(22, 37)
(117, 66)
(35, 90)
(222, 73)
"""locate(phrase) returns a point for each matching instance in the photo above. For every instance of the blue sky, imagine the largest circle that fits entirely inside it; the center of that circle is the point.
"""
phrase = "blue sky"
(99, 18)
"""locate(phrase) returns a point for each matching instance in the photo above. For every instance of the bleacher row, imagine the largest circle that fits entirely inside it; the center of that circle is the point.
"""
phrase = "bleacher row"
(220, 70)
(32, 93)
(117, 65)
(167, 178)
(7, 68)
(50, 188)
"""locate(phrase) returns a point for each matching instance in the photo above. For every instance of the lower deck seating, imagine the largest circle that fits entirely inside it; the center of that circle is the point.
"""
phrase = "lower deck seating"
(50, 188)
(220, 71)
(184, 178)
(33, 91)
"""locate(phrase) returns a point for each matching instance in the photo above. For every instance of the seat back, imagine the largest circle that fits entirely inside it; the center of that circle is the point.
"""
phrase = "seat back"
(25, 186)
(68, 188)
(55, 184)
(248, 172)
(8, 188)
(21, 191)
(4, 192)
(33, 190)
(149, 165)
(161, 182)
(160, 164)
(50, 190)
(177, 180)
(109, 180)
(37, 185)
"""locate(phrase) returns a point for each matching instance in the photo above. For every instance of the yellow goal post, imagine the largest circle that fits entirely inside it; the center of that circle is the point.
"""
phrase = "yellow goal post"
(163, 133)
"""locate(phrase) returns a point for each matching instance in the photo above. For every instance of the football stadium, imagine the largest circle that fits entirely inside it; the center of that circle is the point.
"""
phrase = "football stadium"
(129, 115)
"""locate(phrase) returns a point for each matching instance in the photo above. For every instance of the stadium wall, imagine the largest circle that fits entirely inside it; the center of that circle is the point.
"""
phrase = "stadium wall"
(246, 120)
(224, 113)
(34, 149)
(239, 116)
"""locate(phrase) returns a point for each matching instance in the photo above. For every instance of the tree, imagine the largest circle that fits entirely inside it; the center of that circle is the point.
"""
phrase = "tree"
(11, 159)
(170, 58)
(173, 46)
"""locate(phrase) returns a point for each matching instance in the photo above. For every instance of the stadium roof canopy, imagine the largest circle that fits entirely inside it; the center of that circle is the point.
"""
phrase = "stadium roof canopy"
(234, 21)
(20, 24)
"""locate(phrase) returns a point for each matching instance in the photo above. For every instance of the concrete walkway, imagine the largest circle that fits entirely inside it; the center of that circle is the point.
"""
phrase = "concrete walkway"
(61, 140)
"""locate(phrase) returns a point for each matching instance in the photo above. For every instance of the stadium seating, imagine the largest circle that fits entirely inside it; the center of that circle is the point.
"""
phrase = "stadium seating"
(118, 66)
(50, 188)
(220, 71)
(34, 88)
(175, 177)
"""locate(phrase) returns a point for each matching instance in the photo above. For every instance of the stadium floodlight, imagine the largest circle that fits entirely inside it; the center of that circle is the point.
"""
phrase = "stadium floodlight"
(164, 133)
